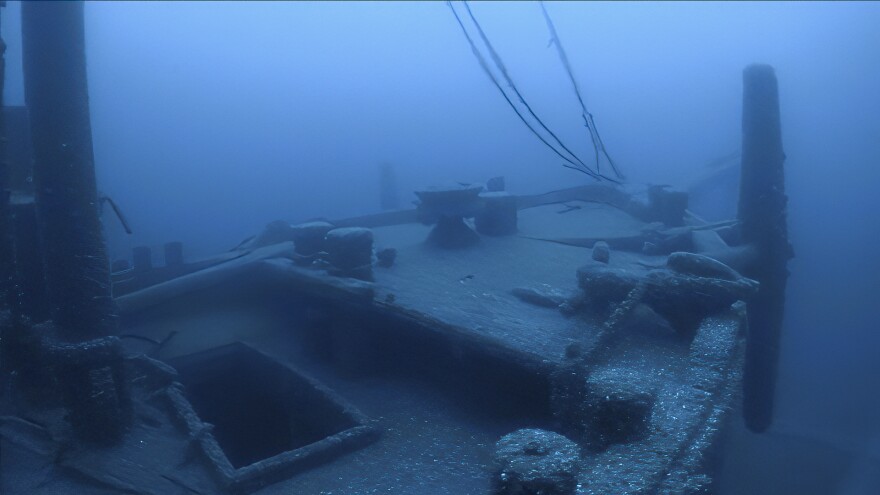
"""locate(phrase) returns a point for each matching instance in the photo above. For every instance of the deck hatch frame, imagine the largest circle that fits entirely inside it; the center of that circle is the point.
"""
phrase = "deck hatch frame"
(360, 431)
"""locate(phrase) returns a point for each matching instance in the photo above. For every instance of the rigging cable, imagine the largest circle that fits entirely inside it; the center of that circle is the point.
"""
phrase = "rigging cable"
(494, 80)
(598, 145)
(581, 167)
(501, 68)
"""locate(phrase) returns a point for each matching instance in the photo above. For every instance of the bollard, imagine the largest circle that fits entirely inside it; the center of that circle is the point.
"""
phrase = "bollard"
(535, 462)
(495, 184)
(308, 238)
(350, 252)
(447, 207)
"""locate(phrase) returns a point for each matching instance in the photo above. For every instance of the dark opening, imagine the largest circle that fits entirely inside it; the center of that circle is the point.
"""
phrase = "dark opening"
(259, 407)
(482, 379)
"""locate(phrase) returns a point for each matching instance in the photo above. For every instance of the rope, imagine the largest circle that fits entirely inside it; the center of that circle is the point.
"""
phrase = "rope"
(491, 76)
(500, 65)
(598, 145)
(576, 163)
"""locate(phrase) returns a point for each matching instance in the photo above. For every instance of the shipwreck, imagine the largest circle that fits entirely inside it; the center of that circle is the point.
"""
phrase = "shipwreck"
(585, 340)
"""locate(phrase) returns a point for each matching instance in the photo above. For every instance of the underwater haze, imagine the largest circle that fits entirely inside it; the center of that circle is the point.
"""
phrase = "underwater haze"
(212, 119)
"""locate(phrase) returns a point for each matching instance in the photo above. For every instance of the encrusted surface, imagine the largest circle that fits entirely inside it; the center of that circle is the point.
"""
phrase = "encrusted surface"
(690, 406)
(475, 288)
(461, 303)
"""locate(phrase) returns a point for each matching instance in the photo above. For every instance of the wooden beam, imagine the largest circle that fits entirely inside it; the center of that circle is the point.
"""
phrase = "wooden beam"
(56, 92)
(762, 215)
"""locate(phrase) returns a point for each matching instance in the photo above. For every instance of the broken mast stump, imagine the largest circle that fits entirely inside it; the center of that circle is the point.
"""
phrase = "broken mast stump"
(67, 198)
(75, 259)
(762, 216)
(7, 292)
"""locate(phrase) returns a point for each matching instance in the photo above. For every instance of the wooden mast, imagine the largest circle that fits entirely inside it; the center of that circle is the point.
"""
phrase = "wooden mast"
(56, 92)
(762, 214)
(86, 362)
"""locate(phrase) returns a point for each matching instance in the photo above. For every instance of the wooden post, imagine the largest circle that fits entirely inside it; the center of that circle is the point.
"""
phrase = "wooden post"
(762, 215)
(6, 267)
(5, 228)
(89, 366)
(29, 282)
(77, 270)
